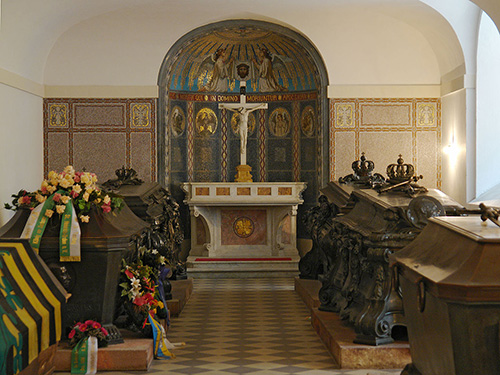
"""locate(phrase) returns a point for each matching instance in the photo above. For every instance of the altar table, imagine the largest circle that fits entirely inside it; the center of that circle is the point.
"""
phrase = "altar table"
(243, 220)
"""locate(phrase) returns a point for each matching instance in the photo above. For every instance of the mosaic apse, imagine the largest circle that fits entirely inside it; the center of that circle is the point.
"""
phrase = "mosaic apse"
(210, 66)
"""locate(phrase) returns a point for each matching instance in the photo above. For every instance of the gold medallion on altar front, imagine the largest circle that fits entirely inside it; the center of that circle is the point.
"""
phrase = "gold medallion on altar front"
(243, 227)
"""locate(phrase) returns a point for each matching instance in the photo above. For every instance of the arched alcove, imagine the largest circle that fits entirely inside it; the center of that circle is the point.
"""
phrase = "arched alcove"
(197, 141)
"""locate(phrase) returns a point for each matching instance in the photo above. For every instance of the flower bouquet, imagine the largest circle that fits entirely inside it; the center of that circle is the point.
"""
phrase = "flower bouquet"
(85, 339)
(72, 196)
(87, 329)
(140, 293)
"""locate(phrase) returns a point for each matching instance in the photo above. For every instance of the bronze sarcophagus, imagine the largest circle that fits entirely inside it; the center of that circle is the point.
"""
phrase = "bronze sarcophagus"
(450, 281)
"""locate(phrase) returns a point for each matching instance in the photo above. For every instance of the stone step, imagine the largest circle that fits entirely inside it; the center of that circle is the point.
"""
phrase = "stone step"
(242, 267)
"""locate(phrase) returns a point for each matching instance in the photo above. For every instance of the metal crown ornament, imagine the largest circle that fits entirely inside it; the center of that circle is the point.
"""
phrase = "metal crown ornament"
(400, 172)
(363, 168)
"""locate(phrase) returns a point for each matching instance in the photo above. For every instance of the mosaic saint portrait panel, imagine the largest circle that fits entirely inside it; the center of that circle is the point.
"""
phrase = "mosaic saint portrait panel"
(206, 122)
(308, 121)
(178, 121)
(280, 122)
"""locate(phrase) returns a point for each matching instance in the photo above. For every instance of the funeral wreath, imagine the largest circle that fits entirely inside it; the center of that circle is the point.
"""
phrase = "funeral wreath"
(59, 189)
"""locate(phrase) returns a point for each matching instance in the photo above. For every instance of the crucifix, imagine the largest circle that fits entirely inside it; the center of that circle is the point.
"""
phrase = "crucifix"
(243, 109)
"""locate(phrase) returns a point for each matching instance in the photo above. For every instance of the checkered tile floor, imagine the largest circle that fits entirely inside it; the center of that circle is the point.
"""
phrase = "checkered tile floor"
(248, 326)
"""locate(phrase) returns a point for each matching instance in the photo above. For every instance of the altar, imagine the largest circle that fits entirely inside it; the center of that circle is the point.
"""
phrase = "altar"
(243, 227)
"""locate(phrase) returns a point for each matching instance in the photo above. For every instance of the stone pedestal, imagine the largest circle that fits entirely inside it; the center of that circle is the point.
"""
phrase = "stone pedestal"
(234, 223)
(243, 173)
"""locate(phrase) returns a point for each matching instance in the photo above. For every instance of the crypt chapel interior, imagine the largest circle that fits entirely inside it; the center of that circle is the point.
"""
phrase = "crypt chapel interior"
(149, 84)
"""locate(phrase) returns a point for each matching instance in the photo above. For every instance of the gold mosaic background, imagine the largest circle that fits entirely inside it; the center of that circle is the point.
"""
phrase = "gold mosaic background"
(383, 129)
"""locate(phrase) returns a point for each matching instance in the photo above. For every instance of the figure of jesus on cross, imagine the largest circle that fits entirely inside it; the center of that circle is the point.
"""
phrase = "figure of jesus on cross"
(243, 109)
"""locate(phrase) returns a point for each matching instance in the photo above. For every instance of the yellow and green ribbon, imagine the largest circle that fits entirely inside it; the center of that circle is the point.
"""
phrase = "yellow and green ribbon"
(69, 235)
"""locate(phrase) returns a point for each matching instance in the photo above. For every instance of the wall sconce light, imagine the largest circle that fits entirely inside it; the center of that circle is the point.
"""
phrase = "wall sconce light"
(452, 148)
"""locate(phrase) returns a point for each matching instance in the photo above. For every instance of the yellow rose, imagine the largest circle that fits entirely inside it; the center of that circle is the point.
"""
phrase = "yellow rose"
(69, 170)
(84, 218)
(64, 183)
(45, 184)
(69, 178)
(60, 209)
(77, 189)
(40, 198)
(86, 196)
(52, 175)
(86, 179)
(107, 199)
(65, 199)
(51, 189)
(49, 213)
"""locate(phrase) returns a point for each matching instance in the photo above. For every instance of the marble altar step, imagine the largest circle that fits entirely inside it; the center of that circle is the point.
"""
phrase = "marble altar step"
(209, 268)
(338, 337)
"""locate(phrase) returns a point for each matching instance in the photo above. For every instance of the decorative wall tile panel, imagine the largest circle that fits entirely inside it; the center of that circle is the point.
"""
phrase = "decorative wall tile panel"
(58, 115)
(427, 114)
(383, 148)
(383, 129)
(97, 115)
(140, 115)
(427, 157)
(345, 153)
(99, 151)
(140, 157)
(344, 115)
(101, 135)
(58, 158)
(385, 114)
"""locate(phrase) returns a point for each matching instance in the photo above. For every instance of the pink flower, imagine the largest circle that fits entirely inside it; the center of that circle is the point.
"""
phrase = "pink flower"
(139, 301)
(57, 197)
(73, 194)
(72, 334)
(106, 208)
(129, 274)
(89, 323)
(83, 327)
(26, 199)
(77, 178)
(96, 325)
(103, 330)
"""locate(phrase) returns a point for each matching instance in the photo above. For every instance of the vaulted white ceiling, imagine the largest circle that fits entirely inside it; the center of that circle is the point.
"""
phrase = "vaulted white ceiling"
(31, 29)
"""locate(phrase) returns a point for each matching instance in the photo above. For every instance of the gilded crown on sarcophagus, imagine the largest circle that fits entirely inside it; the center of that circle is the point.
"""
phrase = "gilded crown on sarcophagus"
(363, 167)
(400, 171)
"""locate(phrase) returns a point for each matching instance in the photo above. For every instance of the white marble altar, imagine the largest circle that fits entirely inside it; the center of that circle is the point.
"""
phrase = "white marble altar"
(243, 226)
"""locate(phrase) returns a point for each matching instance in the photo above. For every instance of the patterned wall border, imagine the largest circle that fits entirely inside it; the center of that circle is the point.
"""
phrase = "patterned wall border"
(131, 116)
(424, 115)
